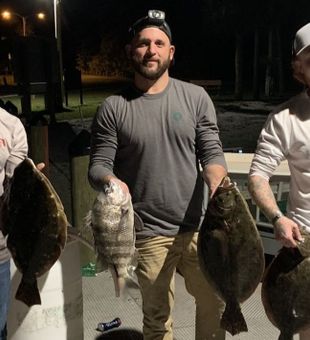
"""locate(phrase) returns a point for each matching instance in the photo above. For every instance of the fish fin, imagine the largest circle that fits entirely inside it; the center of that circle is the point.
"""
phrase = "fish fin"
(100, 264)
(28, 293)
(87, 219)
(56, 252)
(122, 284)
(84, 235)
(232, 319)
(131, 279)
(138, 223)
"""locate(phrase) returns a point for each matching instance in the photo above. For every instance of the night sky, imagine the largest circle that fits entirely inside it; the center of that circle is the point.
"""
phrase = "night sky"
(203, 30)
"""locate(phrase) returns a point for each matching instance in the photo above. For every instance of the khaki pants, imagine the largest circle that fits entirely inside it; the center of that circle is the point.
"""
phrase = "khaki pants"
(159, 257)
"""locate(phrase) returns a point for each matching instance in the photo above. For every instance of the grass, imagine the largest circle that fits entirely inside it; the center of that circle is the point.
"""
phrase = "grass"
(94, 90)
(91, 100)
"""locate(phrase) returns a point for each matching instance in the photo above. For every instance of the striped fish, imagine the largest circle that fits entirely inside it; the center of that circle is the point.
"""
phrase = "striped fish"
(112, 223)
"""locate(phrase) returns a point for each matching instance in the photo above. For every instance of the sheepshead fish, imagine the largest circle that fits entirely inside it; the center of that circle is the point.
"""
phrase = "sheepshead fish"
(34, 219)
(285, 290)
(230, 252)
(112, 221)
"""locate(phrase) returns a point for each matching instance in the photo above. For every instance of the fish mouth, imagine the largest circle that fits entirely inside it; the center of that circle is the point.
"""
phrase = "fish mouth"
(220, 210)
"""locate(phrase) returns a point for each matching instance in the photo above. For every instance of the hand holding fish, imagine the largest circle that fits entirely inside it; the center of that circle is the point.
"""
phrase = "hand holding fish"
(36, 224)
(112, 222)
(40, 166)
(112, 179)
(213, 175)
(285, 290)
(287, 232)
(231, 252)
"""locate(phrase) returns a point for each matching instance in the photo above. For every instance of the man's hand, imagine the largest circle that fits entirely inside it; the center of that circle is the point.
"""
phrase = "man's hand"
(117, 181)
(287, 232)
(213, 175)
(121, 184)
(40, 166)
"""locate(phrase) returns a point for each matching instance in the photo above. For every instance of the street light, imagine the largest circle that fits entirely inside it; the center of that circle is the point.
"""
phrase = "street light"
(57, 31)
(7, 15)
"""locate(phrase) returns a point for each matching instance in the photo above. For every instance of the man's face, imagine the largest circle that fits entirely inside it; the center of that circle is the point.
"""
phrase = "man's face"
(304, 60)
(151, 53)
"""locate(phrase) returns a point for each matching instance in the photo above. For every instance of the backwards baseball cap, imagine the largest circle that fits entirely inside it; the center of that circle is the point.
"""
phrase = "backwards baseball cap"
(302, 39)
(154, 18)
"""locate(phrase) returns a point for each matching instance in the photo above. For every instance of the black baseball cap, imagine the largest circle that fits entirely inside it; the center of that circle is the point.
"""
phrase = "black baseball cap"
(154, 18)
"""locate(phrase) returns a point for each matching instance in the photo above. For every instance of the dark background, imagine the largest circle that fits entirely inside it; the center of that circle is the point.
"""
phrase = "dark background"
(204, 32)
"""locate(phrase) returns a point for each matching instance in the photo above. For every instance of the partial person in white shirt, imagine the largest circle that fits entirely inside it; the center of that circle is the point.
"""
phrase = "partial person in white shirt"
(286, 135)
(13, 150)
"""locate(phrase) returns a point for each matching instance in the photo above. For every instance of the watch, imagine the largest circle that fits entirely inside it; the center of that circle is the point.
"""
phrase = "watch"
(275, 218)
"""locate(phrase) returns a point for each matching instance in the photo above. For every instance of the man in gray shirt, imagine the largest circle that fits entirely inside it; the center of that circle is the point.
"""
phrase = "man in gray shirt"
(152, 139)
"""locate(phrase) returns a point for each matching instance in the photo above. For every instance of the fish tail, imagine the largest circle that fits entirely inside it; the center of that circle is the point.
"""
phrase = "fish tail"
(285, 336)
(28, 293)
(232, 319)
(123, 282)
(119, 282)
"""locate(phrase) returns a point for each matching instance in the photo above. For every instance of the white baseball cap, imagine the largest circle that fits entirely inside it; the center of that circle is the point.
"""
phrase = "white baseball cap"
(302, 39)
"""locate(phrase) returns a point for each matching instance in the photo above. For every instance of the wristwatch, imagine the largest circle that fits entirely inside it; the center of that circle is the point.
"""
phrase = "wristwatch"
(275, 218)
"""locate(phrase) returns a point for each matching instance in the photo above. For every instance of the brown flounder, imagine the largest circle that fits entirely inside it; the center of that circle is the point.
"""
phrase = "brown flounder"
(36, 224)
(230, 252)
(286, 290)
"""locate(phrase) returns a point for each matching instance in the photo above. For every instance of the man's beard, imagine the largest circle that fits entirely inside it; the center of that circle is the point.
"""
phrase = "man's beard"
(145, 72)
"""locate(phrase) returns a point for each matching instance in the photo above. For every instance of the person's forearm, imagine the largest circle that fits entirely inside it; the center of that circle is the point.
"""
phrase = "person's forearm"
(213, 175)
(99, 175)
(263, 196)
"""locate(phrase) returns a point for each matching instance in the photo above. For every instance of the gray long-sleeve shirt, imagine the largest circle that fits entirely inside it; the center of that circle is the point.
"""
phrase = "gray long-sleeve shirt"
(154, 144)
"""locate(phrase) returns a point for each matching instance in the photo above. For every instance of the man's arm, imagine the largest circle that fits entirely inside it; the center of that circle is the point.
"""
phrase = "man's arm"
(286, 230)
(213, 175)
(19, 148)
(209, 146)
(104, 144)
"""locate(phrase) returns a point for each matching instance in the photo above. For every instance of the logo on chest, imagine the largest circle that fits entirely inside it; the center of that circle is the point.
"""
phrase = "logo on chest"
(177, 116)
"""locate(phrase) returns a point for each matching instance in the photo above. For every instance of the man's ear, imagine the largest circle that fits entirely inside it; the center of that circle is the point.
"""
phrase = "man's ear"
(128, 51)
(172, 51)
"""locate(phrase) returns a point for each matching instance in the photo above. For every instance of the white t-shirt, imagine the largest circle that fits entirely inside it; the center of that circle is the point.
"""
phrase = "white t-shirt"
(286, 135)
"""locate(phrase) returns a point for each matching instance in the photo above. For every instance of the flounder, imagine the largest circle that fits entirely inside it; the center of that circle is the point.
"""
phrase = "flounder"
(112, 220)
(231, 252)
(36, 224)
(286, 290)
